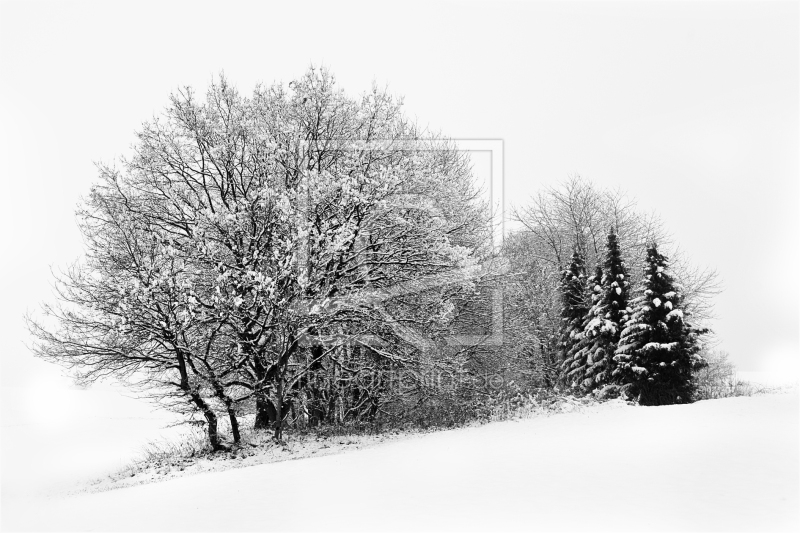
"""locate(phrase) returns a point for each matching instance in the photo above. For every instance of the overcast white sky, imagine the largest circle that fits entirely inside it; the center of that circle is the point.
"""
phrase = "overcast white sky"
(690, 107)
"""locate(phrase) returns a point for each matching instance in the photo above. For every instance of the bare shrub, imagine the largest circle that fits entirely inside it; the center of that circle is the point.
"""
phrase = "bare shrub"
(719, 379)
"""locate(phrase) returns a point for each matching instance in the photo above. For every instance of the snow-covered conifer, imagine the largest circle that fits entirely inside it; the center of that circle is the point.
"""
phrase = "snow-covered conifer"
(658, 349)
(573, 368)
(606, 318)
(573, 304)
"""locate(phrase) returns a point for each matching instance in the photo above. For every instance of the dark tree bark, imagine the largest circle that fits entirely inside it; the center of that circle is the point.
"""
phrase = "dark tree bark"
(237, 438)
(263, 406)
(279, 412)
(211, 421)
(199, 402)
(263, 403)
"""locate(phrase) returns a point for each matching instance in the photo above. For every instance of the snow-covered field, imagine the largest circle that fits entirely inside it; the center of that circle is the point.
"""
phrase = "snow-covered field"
(719, 465)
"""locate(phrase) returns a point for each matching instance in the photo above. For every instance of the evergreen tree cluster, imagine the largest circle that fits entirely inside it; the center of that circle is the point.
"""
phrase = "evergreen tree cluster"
(615, 341)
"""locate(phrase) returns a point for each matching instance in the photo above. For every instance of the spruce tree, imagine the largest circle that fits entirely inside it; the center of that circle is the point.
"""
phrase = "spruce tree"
(573, 369)
(658, 349)
(606, 318)
(574, 305)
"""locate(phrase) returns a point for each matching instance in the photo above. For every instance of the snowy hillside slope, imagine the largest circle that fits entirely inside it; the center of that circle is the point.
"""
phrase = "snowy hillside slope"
(729, 465)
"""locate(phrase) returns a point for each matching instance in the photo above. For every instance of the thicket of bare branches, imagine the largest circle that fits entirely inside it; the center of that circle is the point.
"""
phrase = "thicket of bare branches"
(718, 379)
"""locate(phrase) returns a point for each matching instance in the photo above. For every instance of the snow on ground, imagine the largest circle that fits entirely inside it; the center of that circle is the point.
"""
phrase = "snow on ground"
(55, 437)
(257, 449)
(724, 465)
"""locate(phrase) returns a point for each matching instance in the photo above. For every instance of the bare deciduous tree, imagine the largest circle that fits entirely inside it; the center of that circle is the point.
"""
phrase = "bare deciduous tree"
(251, 244)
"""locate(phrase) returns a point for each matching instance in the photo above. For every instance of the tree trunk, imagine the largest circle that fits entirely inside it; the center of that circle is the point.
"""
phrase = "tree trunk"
(230, 408)
(211, 421)
(234, 424)
(208, 413)
(279, 412)
(263, 406)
